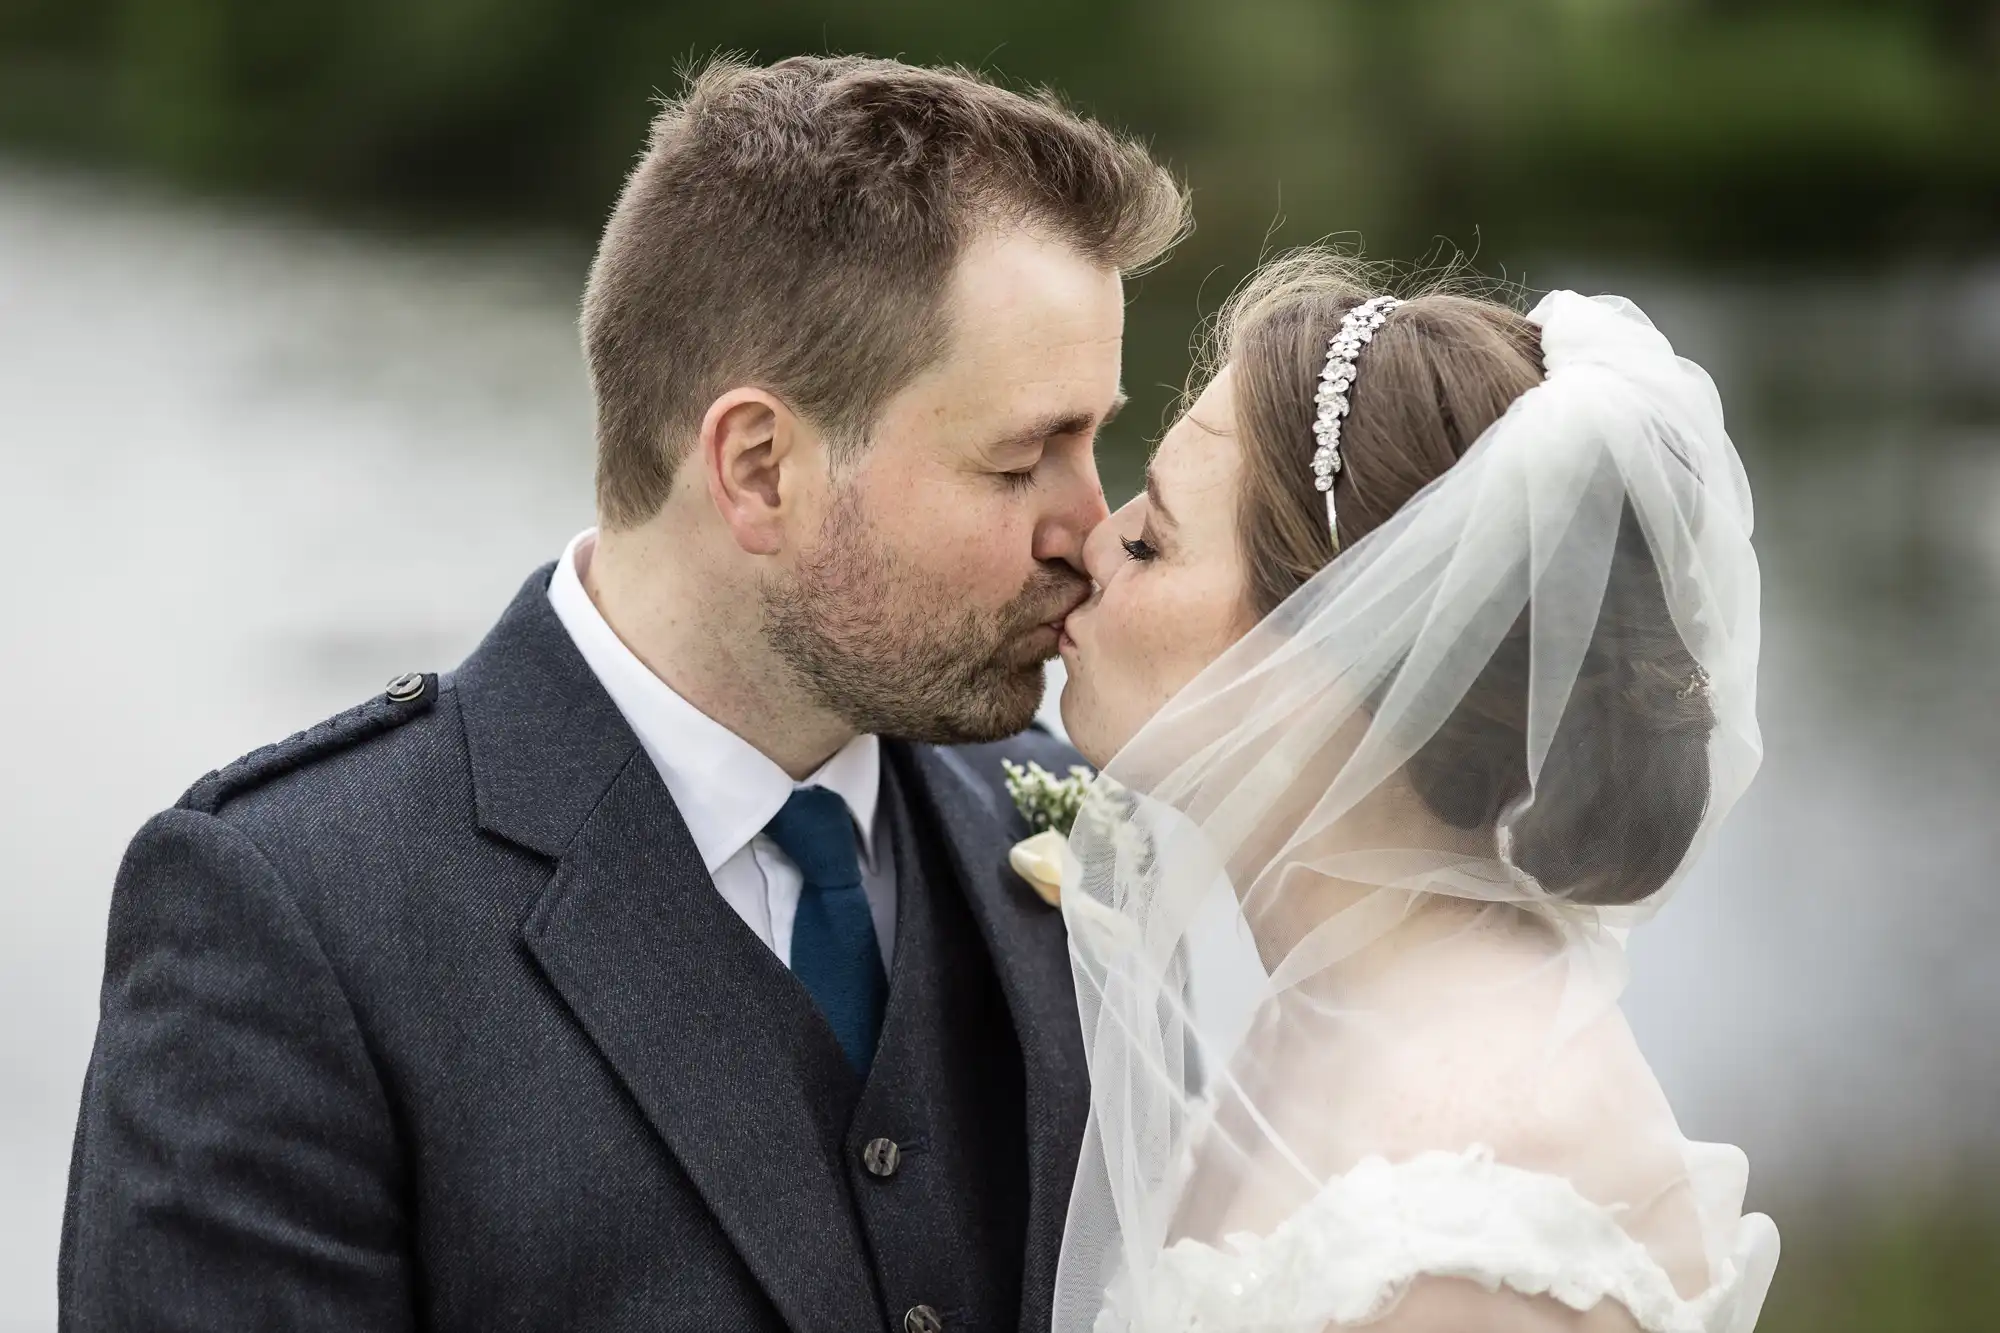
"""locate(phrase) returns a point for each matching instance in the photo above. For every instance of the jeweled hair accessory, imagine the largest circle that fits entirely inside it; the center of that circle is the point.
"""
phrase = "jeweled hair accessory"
(1357, 330)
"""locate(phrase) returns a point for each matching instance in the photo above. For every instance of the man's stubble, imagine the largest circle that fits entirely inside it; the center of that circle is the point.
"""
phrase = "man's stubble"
(895, 654)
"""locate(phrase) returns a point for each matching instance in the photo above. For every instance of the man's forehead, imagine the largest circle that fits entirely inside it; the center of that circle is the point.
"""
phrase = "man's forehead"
(996, 265)
(1034, 336)
(1021, 383)
(1022, 292)
(1010, 396)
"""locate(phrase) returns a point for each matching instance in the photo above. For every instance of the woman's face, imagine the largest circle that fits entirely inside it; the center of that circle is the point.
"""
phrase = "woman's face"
(1169, 591)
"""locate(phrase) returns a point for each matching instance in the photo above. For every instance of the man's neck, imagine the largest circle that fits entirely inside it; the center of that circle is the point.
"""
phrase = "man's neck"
(704, 643)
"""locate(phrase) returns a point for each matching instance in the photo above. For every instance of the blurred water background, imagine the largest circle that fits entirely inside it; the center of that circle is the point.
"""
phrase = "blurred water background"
(290, 401)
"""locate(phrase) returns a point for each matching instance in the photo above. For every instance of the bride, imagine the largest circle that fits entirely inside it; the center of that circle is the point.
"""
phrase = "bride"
(1421, 672)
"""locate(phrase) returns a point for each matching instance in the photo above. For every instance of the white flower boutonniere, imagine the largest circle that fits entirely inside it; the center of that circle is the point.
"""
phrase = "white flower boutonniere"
(1050, 805)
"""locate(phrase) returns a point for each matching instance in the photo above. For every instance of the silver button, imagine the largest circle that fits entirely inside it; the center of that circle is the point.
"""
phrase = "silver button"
(408, 686)
(922, 1319)
(881, 1157)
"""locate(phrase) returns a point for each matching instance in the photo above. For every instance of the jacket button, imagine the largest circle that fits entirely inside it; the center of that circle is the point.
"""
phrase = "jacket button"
(408, 686)
(922, 1319)
(882, 1157)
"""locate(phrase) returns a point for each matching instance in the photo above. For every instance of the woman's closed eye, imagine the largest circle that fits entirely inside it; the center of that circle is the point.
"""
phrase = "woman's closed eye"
(1138, 548)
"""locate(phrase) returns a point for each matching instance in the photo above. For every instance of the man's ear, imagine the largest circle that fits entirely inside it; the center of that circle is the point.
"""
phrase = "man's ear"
(754, 456)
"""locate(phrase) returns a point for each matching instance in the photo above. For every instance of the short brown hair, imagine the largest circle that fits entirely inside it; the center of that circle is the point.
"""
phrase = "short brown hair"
(1626, 782)
(796, 226)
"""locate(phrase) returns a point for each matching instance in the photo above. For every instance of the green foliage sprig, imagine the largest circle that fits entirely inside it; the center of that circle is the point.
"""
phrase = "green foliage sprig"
(1045, 800)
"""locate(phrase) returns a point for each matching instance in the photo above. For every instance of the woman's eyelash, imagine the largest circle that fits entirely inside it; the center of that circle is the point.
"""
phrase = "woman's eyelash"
(1137, 548)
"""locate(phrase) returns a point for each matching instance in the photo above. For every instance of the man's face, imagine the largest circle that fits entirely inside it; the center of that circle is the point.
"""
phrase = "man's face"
(952, 547)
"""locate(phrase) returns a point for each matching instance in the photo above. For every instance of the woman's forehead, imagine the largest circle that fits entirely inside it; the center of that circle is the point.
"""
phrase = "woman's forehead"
(1199, 453)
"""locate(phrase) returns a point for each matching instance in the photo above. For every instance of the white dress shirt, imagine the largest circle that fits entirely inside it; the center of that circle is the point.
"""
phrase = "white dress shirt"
(726, 788)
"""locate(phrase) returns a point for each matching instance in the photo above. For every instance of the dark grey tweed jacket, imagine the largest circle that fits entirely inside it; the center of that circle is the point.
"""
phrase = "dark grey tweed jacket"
(431, 1018)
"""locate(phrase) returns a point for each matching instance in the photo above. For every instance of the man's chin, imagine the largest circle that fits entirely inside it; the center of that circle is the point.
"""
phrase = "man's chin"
(1026, 686)
(1011, 698)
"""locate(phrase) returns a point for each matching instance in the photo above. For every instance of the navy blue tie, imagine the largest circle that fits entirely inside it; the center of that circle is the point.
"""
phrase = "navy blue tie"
(834, 951)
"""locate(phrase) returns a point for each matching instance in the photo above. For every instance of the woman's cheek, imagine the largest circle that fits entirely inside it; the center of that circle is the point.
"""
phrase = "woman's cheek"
(1151, 637)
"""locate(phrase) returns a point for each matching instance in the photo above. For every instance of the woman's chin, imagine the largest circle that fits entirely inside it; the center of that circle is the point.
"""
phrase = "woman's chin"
(1078, 719)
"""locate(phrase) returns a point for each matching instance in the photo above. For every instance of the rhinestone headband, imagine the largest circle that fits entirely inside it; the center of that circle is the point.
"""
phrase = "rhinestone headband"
(1357, 330)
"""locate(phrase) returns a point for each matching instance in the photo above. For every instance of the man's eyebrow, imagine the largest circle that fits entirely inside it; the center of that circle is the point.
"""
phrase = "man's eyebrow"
(1063, 423)
(1153, 498)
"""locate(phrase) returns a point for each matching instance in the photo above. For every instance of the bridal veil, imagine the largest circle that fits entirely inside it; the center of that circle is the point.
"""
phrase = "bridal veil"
(1352, 1025)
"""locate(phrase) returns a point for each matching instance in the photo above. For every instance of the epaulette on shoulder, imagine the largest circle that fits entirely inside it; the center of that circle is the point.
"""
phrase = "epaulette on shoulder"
(409, 696)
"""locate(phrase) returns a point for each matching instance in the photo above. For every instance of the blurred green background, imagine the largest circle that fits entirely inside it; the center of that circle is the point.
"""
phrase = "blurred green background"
(1801, 132)
(1705, 129)
(1811, 188)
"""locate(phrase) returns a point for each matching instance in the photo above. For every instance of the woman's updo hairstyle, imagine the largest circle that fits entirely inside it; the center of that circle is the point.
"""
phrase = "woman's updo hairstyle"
(1626, 781)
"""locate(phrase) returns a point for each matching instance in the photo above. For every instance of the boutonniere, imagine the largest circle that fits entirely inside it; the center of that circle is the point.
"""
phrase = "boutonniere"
(1050, 805)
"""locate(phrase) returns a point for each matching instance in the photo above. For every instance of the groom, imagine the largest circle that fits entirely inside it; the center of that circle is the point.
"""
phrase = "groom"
(659, 968)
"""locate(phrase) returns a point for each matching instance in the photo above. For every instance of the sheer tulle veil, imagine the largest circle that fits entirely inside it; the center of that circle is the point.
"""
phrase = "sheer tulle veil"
(1291, 963)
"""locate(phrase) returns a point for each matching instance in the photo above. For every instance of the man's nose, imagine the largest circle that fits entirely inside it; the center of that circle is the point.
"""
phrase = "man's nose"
(1063, 532)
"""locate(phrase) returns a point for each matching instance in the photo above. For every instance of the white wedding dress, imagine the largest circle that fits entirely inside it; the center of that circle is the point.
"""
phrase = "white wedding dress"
(1566, 1189)
(1352, 1252)
(1352, 1066)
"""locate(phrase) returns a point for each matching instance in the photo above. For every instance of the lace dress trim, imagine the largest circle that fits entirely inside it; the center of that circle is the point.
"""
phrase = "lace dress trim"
(1350, 1254)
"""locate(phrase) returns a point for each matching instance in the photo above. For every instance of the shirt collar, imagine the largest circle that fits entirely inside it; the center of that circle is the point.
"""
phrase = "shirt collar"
(727, 789)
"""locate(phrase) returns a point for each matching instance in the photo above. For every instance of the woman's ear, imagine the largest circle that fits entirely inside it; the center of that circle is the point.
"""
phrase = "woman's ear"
(753, 457)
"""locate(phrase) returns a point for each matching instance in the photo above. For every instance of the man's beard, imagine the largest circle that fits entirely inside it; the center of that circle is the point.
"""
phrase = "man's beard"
(893, 654)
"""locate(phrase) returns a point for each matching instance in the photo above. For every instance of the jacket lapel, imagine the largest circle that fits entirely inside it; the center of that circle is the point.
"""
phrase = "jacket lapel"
(1030, 952)
(717, 1043)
